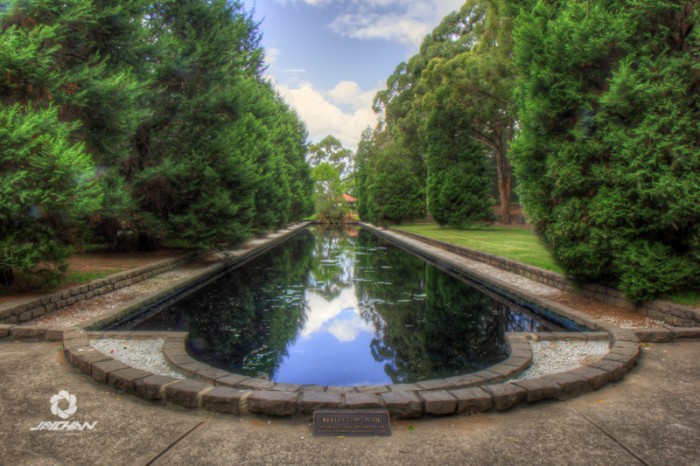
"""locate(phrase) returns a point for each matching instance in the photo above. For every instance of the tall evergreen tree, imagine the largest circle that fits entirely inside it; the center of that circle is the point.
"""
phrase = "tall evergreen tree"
(196, 165)
(398, 194)
(608, 155)
(62, 80)
(363, 172)
(458, 187)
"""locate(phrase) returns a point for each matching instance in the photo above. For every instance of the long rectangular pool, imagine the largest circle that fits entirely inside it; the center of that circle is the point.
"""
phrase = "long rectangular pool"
(343, 307)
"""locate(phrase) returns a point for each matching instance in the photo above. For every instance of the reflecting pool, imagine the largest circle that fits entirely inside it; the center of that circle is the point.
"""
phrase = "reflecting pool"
(344, 307)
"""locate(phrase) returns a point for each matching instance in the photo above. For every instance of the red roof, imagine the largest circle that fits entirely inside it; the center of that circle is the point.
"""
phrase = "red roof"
(349, 198)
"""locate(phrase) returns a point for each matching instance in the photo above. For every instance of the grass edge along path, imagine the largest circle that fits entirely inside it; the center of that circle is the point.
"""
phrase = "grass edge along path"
(516, 244)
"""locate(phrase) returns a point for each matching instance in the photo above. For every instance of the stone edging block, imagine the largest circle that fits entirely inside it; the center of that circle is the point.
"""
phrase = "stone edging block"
(438, 402)
(403, 405)
(232, 393)
(186, 393)
(273, 403)
(236, 394)
(669, 312)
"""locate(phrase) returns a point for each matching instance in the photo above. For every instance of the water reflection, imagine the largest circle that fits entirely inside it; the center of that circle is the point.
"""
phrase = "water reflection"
(343, 308)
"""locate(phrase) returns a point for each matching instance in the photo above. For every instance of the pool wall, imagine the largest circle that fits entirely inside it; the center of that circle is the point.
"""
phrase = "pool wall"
(560, 313)
(236, 258)
(666, 311)
(219, 391)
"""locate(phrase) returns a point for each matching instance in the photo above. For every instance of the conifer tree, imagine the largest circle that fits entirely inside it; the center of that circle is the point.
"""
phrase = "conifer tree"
(66, 104)
(197, 162)
(608, 156)
(458, 188)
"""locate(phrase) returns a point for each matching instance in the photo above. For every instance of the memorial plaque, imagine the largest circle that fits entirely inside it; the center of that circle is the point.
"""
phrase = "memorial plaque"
(352, 423)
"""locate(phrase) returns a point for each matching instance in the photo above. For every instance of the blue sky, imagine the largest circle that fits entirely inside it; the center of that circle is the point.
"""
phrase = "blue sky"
(329, 57)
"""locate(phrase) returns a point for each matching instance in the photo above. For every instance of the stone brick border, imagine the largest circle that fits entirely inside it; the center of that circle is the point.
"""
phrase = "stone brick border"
(234, 394)
(236, 258)
(12, 313)
(223, 392)
(671, 313)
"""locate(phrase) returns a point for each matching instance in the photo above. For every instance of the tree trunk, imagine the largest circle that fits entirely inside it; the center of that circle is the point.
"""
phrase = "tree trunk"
(503, 170)
(7, 277)
(504, 187)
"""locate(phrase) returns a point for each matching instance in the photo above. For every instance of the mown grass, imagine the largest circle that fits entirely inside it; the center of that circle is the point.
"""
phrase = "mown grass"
(78, 277)
(691, 298)
(512, 243)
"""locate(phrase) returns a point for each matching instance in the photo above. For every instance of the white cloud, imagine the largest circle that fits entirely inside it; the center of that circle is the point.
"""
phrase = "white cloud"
(350, 93)
(338, 317)
(396, 28)
(344, 111)
(271, 55)
(403, 21)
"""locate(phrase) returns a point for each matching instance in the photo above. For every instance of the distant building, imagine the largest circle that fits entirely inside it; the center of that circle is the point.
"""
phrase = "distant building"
(349, 200)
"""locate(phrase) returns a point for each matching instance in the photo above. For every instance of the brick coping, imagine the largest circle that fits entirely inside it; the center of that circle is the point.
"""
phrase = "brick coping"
(671, 313)
(176, 292)
(224, 392)
(235, 394)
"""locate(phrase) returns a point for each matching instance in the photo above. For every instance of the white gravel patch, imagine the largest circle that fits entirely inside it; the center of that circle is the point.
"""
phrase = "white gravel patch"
(140, 354)
(549, 357)
(75, 315)
(512, 279)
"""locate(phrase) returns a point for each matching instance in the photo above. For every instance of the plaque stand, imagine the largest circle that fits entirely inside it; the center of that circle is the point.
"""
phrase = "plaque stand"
(351, 423)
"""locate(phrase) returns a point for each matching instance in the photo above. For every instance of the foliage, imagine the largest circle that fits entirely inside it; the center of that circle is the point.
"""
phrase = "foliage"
(397, 192)
(608, 153)
(227, 179)
(363, 171)
(330, 206)
(47, 187)
(330, 150)
(333, 176)
(167, 127)
(464, 64)
(457, 186)
(477, 80)
(512, 243)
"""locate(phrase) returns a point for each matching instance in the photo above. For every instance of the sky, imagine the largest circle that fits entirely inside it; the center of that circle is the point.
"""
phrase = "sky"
(328, 58)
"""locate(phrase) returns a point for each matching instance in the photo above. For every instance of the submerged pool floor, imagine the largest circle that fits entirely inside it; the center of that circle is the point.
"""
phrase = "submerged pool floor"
(344, 307)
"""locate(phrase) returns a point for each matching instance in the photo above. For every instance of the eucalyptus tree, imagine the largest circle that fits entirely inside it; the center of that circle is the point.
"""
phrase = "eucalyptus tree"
(478, 78)
(462, 76)
(330, 150)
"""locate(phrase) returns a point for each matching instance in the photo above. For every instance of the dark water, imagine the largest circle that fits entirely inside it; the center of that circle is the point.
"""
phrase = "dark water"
(344, 308)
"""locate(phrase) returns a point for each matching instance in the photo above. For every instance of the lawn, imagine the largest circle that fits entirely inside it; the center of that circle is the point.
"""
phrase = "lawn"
(512, 243)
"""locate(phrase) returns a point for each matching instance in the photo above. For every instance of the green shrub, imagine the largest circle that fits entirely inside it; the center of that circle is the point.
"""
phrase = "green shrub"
(607, 157)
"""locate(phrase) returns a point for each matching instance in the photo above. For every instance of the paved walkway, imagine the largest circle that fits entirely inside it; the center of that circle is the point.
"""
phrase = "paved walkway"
(652, 417)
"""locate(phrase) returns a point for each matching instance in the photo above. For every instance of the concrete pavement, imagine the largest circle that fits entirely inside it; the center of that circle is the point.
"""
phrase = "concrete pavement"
(652, 417)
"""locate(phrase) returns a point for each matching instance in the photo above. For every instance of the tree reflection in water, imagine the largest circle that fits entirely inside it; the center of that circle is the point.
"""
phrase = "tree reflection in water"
(342, 307)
